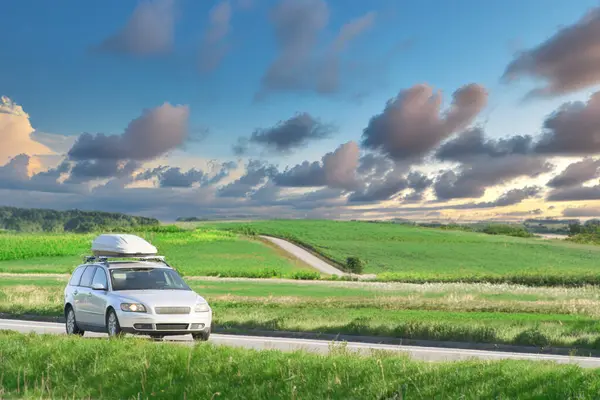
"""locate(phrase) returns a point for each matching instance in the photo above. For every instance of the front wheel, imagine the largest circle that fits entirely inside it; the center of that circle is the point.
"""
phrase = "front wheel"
(112, 325)
(201, 336)
(71, 324)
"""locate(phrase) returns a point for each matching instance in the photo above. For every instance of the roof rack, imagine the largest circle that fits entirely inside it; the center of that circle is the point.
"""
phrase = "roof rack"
(107, 259)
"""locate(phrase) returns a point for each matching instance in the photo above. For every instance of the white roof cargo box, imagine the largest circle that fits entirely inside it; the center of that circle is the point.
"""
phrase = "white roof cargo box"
(122, 245)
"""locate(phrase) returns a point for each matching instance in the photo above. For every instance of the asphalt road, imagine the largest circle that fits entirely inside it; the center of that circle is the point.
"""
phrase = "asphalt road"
(323, 347)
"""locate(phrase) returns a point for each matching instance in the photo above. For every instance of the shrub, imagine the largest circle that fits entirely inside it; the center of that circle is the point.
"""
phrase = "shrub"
(247, 230)
(532, 337)
(354, 265)
(507, 230)
(305, 275)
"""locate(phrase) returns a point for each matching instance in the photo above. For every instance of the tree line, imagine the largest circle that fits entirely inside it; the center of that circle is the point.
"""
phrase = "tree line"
(45, 220)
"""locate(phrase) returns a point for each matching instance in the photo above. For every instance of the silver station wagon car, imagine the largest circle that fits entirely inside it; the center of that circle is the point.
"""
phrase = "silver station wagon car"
(138, 295)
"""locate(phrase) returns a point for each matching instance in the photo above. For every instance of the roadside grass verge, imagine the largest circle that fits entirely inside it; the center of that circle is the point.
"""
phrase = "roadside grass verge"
(199, 252)
(415, 254)
(40, 366)
(502, 314)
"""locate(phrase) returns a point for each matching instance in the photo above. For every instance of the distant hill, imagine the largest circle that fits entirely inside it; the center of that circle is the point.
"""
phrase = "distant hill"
(45, 220)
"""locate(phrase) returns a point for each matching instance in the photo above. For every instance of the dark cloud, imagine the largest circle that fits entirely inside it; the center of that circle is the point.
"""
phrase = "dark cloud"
(575, 212)
(381, 189)
(573, 129)
(307, 174)
(472, 179)
(527, 213)
(15, 171)
(576, 173)
(270, 195)
(418, 182)
(328, 76)
(471, 143)
(293, 133)
(86, 170)
(382, 179)
(575, 193)
(154, 133)
(318, 199)
(174, 177)
(213, 49)
(374, 164)
(336, 170)
(149, 30)
(411, 124)
(568, 61)
(511, 197)
(224, 171)
(15, 175)
(297, 25)
(257, 173)
(298, 65)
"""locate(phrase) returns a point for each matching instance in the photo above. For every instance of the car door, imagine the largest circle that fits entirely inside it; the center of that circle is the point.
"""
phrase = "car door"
(98, 298)
(82, 296)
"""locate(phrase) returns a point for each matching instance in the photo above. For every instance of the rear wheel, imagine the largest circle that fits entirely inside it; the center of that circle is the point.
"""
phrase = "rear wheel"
(112, 324)
(71, 323)
(201, 336)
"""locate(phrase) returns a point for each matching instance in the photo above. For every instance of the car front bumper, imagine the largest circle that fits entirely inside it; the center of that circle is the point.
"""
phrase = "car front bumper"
(161, 324)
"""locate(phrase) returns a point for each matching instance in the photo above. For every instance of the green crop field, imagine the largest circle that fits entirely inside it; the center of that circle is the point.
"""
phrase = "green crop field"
(455, 312)
(60, 367)
(198, 252)
(408, 253)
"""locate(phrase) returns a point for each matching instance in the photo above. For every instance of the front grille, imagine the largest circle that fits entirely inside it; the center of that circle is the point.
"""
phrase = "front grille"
(172, 310)
(146, 327)
(171, 327)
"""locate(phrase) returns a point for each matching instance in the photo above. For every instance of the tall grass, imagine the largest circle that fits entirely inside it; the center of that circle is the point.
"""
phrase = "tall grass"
(60, 367)
(192, 252)
(20, 246)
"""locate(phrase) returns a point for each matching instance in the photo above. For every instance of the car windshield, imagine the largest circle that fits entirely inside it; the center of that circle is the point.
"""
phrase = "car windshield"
(147, 279)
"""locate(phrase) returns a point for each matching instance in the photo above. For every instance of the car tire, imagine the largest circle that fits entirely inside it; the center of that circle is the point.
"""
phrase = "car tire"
(113, 328)
(71, 323)
(201, 336)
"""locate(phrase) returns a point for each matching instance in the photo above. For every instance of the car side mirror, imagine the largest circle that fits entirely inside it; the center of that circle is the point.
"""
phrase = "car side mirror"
(98, 286)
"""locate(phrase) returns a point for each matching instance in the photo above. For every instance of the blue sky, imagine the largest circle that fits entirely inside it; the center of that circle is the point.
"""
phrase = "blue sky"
(50, 67)
(67, 90)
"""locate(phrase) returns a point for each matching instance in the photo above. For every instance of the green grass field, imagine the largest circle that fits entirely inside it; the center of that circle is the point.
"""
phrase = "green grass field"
(198, 252)
(60, 367)
(453, 312)
(408, 253)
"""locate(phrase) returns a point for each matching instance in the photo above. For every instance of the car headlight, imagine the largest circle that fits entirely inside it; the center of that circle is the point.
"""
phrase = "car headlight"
(133, 307)
(202, 307)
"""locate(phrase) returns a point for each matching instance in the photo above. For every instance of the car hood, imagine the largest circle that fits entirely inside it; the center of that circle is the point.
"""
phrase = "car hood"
(161, 298)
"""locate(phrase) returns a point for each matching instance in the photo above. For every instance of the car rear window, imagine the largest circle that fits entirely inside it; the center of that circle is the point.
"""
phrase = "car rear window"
(76, 277)
(86, 278)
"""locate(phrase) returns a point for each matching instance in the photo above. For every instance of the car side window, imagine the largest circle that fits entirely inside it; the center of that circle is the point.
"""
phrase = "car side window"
(100, 277)
(76, 277)
(86, 278)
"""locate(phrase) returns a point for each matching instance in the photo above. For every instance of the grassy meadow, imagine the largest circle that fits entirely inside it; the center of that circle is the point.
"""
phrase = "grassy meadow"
(194, 252)
(502, 314)
(51, 367)
(409, 253)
